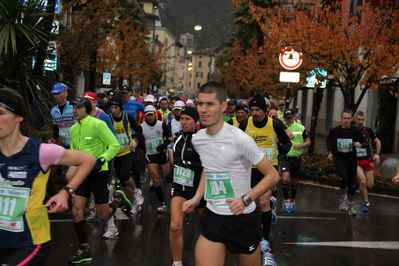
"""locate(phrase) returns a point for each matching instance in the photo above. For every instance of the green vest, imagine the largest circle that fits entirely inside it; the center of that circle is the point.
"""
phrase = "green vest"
(297, 130)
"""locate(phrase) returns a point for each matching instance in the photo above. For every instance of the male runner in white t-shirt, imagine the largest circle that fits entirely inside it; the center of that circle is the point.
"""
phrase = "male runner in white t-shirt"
(231, 221)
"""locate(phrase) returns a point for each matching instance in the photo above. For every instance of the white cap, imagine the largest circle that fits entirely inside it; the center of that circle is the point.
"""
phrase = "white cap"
(178, 104)
(189, 101)
(149, 98)
(267, 101)
(150, 109)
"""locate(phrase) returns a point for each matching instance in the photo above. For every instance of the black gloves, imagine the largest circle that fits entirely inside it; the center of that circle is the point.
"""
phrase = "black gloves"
(164, 146)
(99, 164)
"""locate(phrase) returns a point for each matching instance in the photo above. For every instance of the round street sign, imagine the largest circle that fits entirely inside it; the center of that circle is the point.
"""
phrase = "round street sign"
(290, 59)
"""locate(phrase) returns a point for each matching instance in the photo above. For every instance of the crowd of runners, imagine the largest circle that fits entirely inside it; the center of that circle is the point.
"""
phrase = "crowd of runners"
(223, 159)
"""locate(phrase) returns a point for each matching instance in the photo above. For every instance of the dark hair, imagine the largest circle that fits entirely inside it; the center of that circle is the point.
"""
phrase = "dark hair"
(214, 87)
(347, 111)
(163, 99)
(175, 98)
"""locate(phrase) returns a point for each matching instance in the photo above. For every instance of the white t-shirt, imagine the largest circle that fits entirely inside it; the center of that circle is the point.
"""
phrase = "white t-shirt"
(227, 158)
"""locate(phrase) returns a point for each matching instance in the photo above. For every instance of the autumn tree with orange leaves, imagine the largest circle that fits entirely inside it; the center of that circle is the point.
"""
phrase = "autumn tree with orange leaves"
(359, 49)
(105, 37)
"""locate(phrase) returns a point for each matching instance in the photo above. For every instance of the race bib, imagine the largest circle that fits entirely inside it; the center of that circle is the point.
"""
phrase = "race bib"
(183, 176)
(218, 188)
(64, 135)
(361, 152)
(123, 140)
(268, 152)
(152, 144)
(13, 202)
(345, 145)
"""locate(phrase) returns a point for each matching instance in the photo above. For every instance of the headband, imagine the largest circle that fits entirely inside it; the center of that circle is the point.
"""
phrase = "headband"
(10, 102)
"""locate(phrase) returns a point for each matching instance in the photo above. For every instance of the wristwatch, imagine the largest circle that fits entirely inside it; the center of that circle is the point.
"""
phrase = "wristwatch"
(70, 191)
(247, 200)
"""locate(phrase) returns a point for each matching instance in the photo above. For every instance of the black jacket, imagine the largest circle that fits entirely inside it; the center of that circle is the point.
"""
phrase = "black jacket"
(186, 156)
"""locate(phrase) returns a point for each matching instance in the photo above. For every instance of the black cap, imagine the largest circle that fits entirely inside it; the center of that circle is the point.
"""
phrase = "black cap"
(289, 113)
(101, 95)
(116, 101)
(259, 101)
(82, 101)
(126, 90)
(232, 101)
(110, 92)
(242, 107)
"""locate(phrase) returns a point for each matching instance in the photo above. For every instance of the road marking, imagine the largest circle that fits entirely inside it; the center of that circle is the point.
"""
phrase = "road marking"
(305, 218)
(394, 245)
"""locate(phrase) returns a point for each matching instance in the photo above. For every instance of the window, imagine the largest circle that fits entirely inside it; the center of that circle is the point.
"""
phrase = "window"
(199, 74)
(200, 56)
(199, 63)
(189, 84)
(198, 85)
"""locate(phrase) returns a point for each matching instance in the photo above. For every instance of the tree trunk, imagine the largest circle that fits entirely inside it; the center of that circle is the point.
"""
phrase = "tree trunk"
(317, 100)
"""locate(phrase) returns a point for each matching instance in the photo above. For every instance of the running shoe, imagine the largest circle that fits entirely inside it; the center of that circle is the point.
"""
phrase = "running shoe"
(162, 208)
(292, 206)
(125, 204)
(273, 207)
(135, 209)
(344, 204)
(265, 246)
(110, 232)
(138, 197)
(366, 207)
(286, 207)
(92, 216)
(80, 256)
(151, 188)
(143, 176)
(268, 259)
(352, 211)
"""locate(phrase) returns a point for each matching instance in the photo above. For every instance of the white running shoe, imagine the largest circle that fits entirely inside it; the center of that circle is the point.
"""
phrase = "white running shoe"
(344, 204)
(110, 232)
(143, 176)
(352, 210)
(162, 208)
(135, 208)
(138, 196)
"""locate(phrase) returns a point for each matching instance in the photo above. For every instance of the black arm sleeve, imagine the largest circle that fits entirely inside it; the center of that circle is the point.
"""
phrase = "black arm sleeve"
(56, 132)
(285, 143)
(135, 127)
(166, 132)
(243, 124)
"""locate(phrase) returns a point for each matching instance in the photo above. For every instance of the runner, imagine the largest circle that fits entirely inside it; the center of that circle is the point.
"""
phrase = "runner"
(156, 137)
(231, 221)
(24, 171)
(186, 175)
(341, 143)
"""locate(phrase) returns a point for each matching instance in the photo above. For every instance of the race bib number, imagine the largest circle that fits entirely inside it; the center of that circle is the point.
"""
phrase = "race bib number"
(152, 144)
(218, 188)
(123, 140)
(345, 145)
(268, 152)
(361, 152)
(183, 176)
(64, 135)
(13, 202)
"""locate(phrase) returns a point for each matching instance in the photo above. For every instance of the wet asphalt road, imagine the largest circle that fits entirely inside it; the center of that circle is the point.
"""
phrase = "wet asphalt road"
(316, 234)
